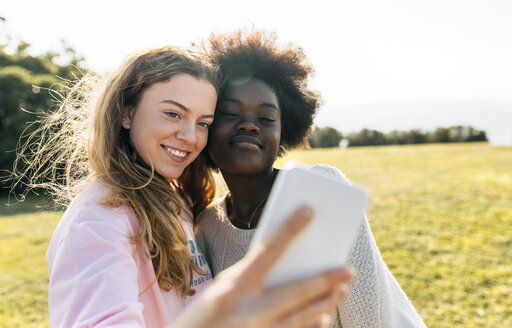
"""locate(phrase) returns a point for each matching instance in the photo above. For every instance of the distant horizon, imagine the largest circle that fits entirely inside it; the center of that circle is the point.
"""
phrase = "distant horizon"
(425, 116)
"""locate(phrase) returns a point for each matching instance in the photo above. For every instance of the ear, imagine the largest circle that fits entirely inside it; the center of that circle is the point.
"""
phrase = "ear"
(126, 122)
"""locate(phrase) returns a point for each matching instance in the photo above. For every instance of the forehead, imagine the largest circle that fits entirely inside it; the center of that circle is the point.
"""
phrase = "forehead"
(254, 91)
(179, 85)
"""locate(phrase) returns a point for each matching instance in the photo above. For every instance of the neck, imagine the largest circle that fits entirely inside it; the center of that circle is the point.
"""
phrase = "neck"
(248, 195)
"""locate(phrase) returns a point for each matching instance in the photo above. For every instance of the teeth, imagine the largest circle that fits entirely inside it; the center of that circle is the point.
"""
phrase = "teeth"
(176, 152)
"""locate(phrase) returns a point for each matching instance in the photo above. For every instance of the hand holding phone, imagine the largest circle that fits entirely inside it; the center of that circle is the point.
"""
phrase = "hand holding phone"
(326, 242)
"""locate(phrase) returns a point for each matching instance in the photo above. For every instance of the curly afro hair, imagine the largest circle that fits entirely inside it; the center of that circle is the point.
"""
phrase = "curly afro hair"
(242, 56)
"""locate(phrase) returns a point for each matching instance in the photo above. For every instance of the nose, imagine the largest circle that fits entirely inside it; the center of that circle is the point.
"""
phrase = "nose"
(187, 133)
(247, 126)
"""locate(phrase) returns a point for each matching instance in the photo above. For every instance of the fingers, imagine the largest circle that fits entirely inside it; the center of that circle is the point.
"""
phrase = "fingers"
(323, 322)
(298, 295)
(314, 315)
(267, 253)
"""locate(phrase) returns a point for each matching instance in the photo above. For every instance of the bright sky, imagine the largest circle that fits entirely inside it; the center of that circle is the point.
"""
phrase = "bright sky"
(395, 64)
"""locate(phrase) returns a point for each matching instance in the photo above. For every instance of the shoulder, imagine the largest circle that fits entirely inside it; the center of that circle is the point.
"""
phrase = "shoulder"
(330, 172)
(215, 212)
(88, 206)
(87, 215)
(207, 226)
(213, 220)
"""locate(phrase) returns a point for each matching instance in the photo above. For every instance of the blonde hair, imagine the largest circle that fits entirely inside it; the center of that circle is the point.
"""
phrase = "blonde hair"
(83, 140)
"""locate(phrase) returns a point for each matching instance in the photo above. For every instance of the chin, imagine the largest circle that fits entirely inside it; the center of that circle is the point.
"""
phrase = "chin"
(171, 176)
(246, 169)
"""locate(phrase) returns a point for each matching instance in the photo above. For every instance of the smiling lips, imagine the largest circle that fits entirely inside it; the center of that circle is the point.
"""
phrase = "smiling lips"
(245, 142)
(175, 154)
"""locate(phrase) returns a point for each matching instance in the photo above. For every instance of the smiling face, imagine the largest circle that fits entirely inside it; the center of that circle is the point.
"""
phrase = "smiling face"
(169, 125)
(246, 133)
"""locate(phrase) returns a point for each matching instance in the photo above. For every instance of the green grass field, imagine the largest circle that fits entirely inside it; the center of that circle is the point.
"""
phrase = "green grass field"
(441, 214)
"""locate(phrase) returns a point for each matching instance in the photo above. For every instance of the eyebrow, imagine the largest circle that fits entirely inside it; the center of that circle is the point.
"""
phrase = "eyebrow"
(170, 101)
(238, 102)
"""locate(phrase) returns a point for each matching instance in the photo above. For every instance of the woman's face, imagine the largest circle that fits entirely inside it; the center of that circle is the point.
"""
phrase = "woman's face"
(245, 136)
(169, 126)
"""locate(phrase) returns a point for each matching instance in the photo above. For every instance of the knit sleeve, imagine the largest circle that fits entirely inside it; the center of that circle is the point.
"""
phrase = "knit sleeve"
(375, 298)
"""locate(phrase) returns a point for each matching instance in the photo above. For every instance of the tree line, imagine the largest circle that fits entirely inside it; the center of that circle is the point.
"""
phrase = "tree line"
(325, 137)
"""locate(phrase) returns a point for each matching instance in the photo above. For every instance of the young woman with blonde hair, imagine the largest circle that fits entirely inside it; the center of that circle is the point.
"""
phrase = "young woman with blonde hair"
(127, 165)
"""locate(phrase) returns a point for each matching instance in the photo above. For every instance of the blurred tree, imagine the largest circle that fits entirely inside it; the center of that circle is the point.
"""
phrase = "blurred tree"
(466, 134)
(29, 85)
(367, 137)
(406, 137)
(325, 137)
(475, 135)
(440, 135)
(414, 137)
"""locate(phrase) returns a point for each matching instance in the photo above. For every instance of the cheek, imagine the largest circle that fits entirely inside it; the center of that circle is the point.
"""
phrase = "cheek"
(216, 134)
(213, 144)
(136, 139)
(144, 136)
(277, 136)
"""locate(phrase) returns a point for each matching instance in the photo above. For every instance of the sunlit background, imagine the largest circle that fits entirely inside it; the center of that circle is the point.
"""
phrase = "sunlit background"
(384, 65)
(441, 213)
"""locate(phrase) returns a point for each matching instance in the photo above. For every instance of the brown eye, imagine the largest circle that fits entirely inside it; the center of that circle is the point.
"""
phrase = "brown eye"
(267, 119)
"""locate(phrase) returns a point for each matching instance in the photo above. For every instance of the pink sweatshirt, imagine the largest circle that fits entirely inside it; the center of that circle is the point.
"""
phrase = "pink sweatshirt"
(99, 278)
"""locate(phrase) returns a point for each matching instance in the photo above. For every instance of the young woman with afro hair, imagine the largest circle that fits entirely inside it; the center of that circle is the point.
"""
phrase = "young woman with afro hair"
(265, 107)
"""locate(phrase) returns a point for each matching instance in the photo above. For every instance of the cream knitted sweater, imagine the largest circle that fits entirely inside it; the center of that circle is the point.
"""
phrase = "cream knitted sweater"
(375, 298)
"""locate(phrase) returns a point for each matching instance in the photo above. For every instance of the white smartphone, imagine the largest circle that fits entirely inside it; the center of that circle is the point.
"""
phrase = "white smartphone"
(325, 243)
